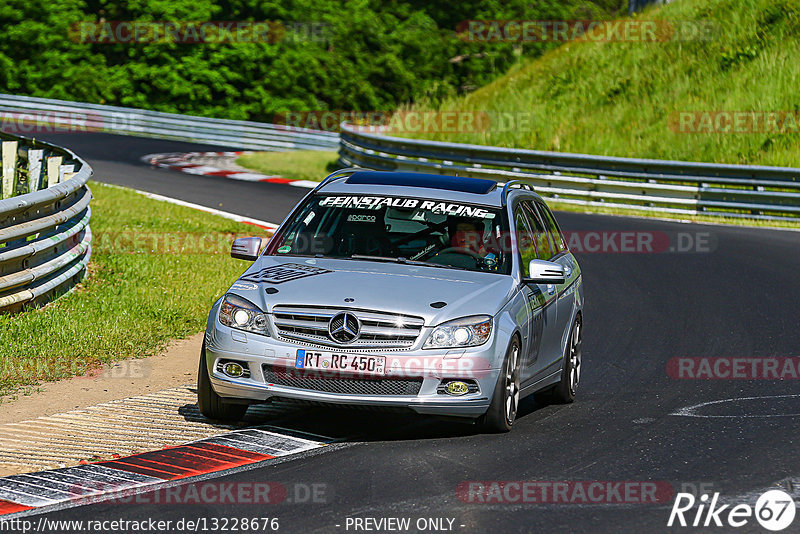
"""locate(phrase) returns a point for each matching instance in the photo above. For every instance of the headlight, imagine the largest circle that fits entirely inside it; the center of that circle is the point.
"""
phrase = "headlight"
(242, 314)
(464, 332)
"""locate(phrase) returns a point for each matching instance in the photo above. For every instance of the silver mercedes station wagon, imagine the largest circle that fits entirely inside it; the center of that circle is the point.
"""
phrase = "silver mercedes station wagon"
(448, 296)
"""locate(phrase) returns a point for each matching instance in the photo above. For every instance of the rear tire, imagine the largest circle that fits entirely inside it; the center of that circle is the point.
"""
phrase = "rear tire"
(505, 399)
(210, 404)
(564, 392)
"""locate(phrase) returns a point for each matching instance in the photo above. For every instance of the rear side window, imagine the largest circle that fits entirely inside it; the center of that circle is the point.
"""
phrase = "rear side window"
(550, 222)
(544, 243)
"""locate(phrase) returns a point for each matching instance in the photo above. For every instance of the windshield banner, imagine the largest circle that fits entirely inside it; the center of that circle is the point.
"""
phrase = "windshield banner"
(374, 203)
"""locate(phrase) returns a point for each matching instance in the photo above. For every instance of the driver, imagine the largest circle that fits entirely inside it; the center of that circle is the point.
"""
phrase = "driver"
(466, 234)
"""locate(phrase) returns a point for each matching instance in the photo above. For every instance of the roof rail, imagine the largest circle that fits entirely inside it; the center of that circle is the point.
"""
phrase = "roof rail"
(334, 175)
(510, 184)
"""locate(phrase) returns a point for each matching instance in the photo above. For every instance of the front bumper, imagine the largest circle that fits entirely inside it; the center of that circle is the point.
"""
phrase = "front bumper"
(432, 367)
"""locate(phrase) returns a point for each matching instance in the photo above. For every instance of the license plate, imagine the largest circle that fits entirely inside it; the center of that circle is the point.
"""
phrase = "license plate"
(335, 361)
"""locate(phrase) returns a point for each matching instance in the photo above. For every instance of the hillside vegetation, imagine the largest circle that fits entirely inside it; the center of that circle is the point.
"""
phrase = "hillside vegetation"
(626, 98)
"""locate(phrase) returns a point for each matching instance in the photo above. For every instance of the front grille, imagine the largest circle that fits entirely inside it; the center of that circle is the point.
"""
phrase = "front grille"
(378, 328)
(336, 383)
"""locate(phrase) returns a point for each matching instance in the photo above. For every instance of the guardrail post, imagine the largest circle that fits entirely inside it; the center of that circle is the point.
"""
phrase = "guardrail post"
(9, 168)
(35, 158)
(53, 170)
(65, 172)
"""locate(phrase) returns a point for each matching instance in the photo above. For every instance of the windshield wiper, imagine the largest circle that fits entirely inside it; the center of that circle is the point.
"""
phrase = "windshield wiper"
(404, 261)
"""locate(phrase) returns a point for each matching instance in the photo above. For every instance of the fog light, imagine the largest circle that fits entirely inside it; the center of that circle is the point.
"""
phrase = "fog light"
(233, 370)
(456, 388)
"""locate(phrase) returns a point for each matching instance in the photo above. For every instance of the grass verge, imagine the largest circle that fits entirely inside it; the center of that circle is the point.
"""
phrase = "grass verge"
(156, 269)
(311, 165)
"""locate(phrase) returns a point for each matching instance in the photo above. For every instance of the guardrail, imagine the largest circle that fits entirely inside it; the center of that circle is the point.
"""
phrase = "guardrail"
(63, 115)
(746, 191)
(45, 240)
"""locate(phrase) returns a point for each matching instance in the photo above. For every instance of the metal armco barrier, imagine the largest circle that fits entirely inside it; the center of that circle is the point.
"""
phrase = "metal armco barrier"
(45, 240)
(747, 191)
(62, 115)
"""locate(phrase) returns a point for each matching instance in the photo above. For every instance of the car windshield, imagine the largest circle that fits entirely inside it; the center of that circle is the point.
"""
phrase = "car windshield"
(397, 229)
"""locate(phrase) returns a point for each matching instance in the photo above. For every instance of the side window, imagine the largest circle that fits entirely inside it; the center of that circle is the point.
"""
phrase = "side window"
(525, 241)
(552, 226)
(544, 242)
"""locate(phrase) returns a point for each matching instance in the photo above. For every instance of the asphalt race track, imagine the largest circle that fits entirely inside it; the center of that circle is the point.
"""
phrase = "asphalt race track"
(739, 300)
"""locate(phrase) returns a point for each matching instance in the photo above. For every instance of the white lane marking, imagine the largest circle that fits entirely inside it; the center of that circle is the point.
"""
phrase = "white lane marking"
(308, 184)
(76, 484)
(106, 474)
(24, 498)
(201, 169)
(251, 176)
(181, 161)
(690, 411)
(178, 202)
(265, 442)
(102, 477)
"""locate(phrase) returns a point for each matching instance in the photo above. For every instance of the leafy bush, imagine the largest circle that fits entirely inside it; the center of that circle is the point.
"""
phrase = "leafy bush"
(374, 55)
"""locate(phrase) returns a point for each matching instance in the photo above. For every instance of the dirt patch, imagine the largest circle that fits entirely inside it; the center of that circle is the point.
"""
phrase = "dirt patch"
(176, 366)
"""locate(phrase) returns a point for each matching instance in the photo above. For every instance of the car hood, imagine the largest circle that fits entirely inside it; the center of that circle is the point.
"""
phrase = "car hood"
(391, 287)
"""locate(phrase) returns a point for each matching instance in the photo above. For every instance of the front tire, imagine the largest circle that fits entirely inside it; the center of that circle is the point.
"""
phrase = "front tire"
(210, 404)
(505, 400)
(564, 392)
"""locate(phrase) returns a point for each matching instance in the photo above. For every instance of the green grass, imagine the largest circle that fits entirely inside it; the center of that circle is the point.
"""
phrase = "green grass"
(300, 165)
(617, 98)
(156, 269)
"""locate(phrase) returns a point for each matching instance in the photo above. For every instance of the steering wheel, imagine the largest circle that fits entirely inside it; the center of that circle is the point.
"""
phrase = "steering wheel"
(479, 260)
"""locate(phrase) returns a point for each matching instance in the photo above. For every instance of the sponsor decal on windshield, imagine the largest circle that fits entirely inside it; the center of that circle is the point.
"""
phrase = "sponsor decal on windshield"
(374, 203)
(284, 273)
(361, 218)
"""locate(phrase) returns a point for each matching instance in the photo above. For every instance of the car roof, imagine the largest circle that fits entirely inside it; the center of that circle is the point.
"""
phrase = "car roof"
(453, 188)
(411, 179)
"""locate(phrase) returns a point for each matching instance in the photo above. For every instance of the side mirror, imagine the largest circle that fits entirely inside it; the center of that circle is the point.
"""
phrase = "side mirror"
(545, 272)
(246, 248)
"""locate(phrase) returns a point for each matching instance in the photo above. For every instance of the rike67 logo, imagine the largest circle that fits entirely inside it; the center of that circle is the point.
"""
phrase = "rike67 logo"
(774, 510)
